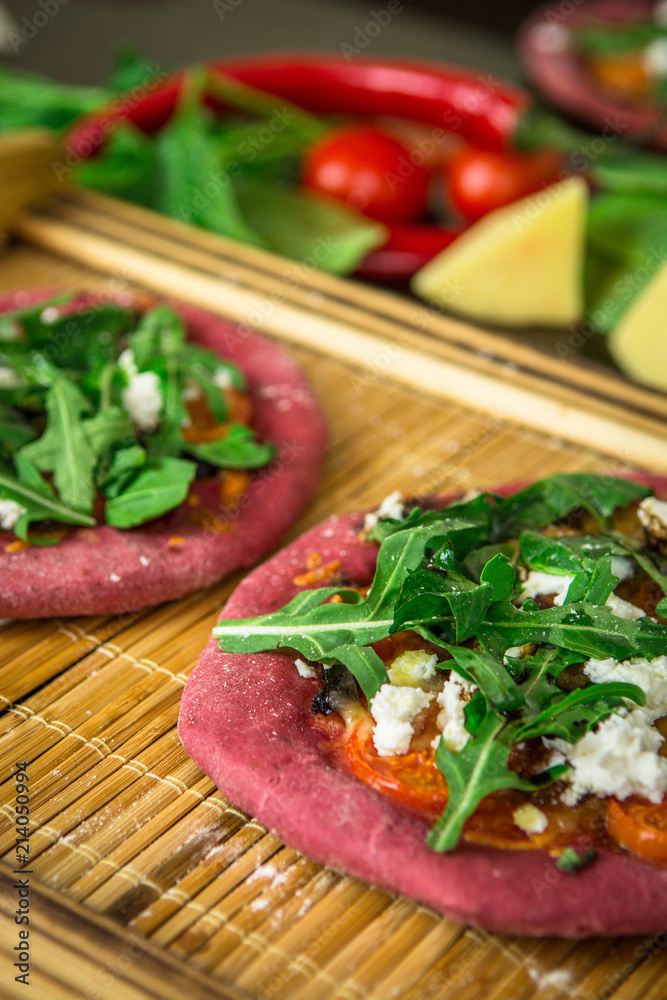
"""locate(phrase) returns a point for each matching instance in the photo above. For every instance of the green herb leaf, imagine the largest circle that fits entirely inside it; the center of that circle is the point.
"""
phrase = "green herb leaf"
(314, 630)
(71, 457)
(239, 449)
(154, 490)
(365, 666)
(124, 465)
(36, 498)
(571, 861)
(598, 699)
(473, 773)
(309, 228)
(490, 676)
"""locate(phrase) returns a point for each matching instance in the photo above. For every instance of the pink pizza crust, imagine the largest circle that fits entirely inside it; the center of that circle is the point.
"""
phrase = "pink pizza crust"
(247, 722)
(104, 570)
(559, 73)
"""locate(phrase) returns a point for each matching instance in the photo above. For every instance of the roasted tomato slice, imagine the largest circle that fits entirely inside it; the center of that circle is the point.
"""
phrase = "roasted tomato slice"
(410, 778)
(640, 826)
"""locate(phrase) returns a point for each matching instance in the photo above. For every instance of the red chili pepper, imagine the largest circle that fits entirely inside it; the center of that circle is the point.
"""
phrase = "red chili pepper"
(480, 109)
(408, 248)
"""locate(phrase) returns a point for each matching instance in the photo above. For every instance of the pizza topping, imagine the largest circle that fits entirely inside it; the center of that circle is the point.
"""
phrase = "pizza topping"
(652, 514)
(93, 420)
(142, 399)
(305, 669)
(620, 757)
(10, 512)
(530, 819)
(538, 705)
(392, 506)
(623, 609)
(457, 692)
(394, 709)
(413, 668)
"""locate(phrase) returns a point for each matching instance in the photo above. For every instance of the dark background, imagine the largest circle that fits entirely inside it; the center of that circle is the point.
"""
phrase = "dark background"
(77, 40)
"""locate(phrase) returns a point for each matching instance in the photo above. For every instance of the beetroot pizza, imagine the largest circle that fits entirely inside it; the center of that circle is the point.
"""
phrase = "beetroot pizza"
(146, 450)
(603, 61)
(463, 701)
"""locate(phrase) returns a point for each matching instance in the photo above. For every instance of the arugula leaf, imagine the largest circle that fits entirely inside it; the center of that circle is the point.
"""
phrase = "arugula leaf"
(599, 701)
(472, 773)
(187, 164)
(315, 629)
(71, 457)
(238, 449)
(566, 554)
(155, 489)
(125, 167)
(586, 629)
(121, 470)
(490, 676)
(365, 666)
(571, 861)
(36, 497)
(428, 599)
(14, 432)
(554, 498)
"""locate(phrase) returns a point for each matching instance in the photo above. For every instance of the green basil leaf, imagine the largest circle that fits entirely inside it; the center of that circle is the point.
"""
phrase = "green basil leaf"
(307, 227)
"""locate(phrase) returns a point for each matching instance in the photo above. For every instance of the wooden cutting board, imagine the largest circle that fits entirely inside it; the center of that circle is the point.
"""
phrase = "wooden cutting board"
(144, 880)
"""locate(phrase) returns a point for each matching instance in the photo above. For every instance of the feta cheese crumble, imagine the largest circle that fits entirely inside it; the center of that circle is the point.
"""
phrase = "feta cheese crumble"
(538, 582)
(652, 516)
(223, 378)
(654, 58)
(624, 609)
(618, 758)
(621, 756)
(127, 364)
(413, 668)
(393, 708)
(9, 379)
(453, 698)
(392, 506)
(649, 675)
(142, 398)
(305, 669)
(10, 512)
(530, 819)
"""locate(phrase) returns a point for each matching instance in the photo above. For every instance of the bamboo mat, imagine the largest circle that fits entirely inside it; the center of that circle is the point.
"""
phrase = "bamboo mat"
(380, 333)
(145, 881)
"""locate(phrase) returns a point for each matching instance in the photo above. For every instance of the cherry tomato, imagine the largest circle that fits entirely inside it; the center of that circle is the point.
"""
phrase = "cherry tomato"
(478, 181)
(369, 170)
(640, 826)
